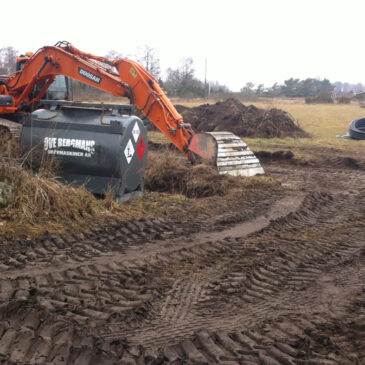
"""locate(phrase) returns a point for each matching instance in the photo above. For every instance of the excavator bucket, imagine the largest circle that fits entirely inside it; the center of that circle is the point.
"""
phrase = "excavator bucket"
(227, 152)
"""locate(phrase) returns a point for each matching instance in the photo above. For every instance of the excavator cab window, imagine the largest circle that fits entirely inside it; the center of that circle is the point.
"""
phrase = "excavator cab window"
(60, 89)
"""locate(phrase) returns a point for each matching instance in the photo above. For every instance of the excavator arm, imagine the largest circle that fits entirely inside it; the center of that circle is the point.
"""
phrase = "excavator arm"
(122, 78)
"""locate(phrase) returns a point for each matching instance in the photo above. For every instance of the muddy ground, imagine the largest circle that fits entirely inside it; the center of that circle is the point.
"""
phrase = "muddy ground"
(282, 282)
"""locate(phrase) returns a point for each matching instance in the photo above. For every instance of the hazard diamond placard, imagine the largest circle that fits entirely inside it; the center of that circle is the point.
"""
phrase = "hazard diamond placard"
(136, 132)
(141, 148)
(129, 151)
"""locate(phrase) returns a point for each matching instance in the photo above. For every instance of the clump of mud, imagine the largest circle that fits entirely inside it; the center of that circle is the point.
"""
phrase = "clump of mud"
(168, 173)
(273, 156)
(245, 121)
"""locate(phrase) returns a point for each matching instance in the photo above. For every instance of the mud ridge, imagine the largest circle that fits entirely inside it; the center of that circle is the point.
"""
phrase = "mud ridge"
(333, 162)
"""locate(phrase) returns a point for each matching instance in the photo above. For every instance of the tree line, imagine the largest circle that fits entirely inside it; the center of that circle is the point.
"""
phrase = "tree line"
(292, 88)
(303, 88)
(182, 81)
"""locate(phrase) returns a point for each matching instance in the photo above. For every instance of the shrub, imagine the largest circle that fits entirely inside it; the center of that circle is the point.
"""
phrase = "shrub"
(319, 99)
(344, 100)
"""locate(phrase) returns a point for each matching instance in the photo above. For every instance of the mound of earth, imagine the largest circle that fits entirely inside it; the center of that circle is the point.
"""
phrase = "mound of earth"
(245, 121)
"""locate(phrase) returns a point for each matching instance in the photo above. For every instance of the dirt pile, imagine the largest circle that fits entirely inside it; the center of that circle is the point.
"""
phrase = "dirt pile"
(245, 121)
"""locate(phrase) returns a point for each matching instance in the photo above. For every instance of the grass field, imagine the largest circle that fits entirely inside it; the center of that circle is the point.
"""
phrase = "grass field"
(322, 122)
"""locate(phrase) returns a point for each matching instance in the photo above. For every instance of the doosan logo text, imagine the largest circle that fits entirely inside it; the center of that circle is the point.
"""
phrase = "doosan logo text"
(90, 76)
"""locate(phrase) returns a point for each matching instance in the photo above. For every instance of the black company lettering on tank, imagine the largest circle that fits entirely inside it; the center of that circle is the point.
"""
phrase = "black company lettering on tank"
(89, 75)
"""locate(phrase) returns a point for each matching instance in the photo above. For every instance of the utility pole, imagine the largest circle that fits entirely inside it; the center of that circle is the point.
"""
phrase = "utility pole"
(206, 92)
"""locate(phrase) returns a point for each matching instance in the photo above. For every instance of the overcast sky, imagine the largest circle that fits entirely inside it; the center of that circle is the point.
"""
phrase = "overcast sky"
(262, 41)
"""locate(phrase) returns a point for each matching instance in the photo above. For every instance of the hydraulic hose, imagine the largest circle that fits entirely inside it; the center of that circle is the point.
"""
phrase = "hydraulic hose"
(357, 129)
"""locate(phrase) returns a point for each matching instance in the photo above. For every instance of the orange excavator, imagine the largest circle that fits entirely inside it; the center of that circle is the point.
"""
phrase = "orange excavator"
(22, 102)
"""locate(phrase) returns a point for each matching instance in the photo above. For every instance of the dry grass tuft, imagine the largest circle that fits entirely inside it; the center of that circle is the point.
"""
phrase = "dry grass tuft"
(203, 181)
(40, 197)
(166, 172)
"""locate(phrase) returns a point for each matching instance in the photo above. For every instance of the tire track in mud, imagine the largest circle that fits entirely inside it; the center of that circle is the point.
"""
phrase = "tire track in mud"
(118, 237)
(156, 249)
(205, 303)
(258, 309)
(85, 279)
(292, 337)
(298, 267)
(51, 319)
(78, 300)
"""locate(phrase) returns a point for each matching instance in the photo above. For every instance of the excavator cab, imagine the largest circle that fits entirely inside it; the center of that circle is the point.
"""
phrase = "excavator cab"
(22, 59)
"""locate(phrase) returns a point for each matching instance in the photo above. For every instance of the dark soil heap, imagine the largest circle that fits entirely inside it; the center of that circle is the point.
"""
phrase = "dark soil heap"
(245, 121)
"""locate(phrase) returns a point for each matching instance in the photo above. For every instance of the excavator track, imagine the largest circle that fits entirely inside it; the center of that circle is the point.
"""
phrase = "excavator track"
(9, 137)
(14, 128)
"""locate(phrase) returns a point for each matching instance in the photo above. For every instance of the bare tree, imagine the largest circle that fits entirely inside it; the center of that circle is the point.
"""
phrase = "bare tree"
(358, 88)
(260, 89)
(115, 55)
(147, 57)
(8, 57)
(186, 70)
(182, 82)
(248, 89)
(173, 81)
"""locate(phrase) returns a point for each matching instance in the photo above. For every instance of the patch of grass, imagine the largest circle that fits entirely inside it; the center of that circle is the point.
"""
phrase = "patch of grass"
(157, 137)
